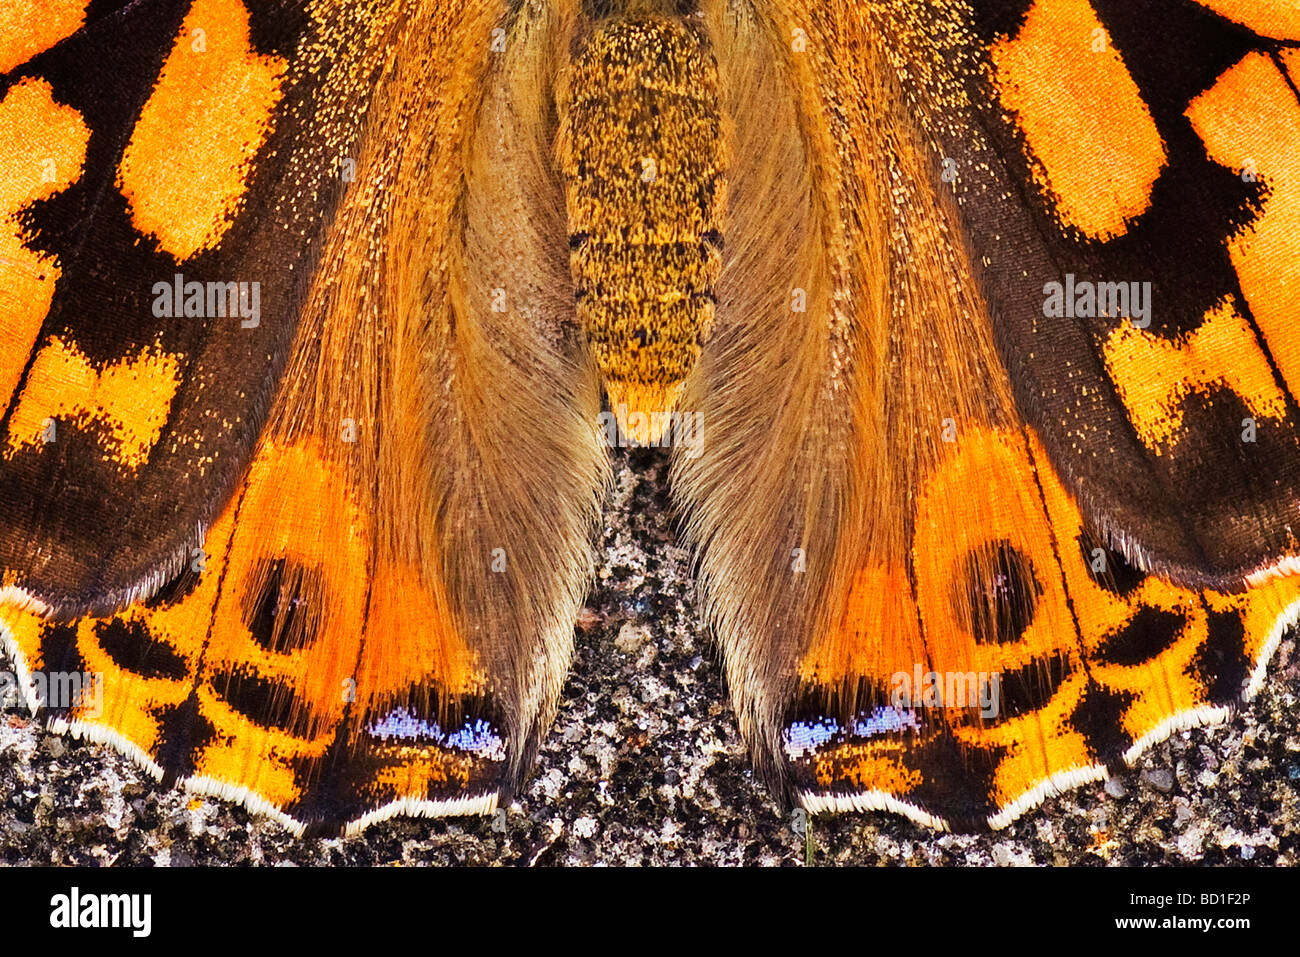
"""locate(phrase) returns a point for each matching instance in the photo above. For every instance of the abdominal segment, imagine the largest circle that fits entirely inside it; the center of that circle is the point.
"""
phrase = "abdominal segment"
(641, 153)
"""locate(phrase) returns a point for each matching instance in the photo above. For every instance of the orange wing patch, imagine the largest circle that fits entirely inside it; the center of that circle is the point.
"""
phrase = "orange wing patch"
(29, 27)
(125, 405)
(1250, 122)
(1161, 657)
(186, 167)
(1156, 377)
(994, 678)
(141, 662)
(982, 551)
(878, 633)
(1001, 609)
(1279, 19)
(1099, 165)
(42, 148)
(296, 561)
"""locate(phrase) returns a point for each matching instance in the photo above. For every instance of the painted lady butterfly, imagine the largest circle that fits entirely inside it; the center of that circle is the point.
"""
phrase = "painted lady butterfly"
(968, 323)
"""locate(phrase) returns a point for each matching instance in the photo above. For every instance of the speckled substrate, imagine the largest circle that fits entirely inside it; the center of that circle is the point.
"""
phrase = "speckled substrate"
(645, 766)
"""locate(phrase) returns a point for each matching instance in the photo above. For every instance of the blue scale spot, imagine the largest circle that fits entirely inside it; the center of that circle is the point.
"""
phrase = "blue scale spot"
(804, 737)
(885, 720)
(477, 737)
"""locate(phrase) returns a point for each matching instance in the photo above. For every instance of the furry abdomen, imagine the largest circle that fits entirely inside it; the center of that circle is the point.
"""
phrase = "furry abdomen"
(642, 158)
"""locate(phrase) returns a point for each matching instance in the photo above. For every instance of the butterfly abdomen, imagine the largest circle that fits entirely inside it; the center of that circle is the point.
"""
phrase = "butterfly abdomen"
(641, 153)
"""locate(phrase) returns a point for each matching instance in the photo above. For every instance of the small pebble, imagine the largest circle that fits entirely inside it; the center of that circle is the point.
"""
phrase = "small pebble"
(1159, 778)
(631, 637)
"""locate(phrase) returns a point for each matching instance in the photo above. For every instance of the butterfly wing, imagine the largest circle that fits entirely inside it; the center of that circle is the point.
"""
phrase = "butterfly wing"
(1136, 259)
(922, 604)
(380, 616)
(134, 386)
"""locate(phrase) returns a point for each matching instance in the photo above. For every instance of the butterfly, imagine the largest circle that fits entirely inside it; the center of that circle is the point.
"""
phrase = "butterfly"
(967, 324)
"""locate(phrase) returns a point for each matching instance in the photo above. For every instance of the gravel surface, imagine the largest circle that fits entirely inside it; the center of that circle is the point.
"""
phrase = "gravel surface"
(645, 766)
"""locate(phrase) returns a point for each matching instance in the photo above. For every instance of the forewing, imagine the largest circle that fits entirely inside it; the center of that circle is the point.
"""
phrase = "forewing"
(137, 143)
(1125, 192)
